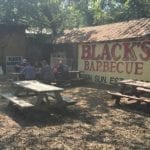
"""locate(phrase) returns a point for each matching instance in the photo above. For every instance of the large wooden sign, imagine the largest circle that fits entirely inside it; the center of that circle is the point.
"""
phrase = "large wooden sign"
(110, 62)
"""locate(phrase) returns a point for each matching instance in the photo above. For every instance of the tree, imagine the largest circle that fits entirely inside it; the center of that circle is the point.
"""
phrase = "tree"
(16, 11)
(108, 11)
(137, 9)
(36, 13)
(56, 15)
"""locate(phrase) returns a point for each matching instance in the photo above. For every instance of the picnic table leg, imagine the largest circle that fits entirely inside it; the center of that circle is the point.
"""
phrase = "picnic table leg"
(10, 104)
(58, 96)
(59, 99)
(117, 98)
(136, 93)
(40, 98)
(17, 91)
(122, 88)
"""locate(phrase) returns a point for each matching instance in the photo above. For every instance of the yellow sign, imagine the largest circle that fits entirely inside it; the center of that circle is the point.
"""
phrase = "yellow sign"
(109, 62)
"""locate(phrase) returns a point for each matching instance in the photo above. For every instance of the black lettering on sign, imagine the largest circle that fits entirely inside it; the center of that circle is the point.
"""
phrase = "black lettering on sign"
(114, 80)
(100, 79)
(88, 77)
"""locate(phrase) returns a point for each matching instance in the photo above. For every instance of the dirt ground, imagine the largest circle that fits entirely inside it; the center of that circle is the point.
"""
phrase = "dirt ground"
(94, 123)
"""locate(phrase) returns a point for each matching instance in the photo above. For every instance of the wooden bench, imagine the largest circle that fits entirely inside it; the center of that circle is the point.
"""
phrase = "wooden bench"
(64, 99)
(118, 96)
(53, 83)
(15, 100)
(68, 101)
(143, 89)
(77, 79)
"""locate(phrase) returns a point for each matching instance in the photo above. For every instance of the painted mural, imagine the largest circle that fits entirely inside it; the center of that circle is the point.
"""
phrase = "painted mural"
(109, 62)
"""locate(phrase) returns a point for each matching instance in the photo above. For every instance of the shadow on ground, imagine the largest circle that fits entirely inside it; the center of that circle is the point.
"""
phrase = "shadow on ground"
(54, 116)
(134, 107)
(89, 100)
(93, 123)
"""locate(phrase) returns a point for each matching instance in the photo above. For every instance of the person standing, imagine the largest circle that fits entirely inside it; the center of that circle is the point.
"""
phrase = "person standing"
(63, 71)
(46, 75)
(29, 72)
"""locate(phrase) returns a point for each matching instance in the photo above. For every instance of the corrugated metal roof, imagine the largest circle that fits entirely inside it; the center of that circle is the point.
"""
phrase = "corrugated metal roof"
(108, 32)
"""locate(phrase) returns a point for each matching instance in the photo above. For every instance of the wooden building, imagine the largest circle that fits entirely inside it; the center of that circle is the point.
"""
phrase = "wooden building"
(109, 53)
(39, 44)
(12, 45)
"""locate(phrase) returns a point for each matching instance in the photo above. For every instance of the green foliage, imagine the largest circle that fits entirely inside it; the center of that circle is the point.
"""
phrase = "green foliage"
(73, 18)
(137, 9)
(105, 11)
(57, 15)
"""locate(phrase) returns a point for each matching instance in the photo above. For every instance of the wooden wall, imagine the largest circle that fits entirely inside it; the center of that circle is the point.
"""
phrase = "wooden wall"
(12, 43)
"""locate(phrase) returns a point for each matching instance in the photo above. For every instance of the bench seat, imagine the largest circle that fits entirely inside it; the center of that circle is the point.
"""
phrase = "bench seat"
(118, 95)
(68, 101)
(122, 95)
(16, 100)
(65, 99)
(143, 89)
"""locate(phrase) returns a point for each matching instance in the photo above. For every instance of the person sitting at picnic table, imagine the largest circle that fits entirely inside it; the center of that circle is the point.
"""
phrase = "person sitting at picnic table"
(46, 74)
(28, 71)
(62, 72)
(38, 67)
(20, 66)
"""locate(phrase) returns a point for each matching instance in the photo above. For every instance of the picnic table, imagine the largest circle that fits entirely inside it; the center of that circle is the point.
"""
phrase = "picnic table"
(75, 73)
(15, 76)
(73, 77)
(135, 83)
(132, 89)
(35, 88)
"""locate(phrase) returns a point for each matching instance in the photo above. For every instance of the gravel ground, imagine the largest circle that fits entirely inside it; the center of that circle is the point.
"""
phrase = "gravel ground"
(94, 123)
